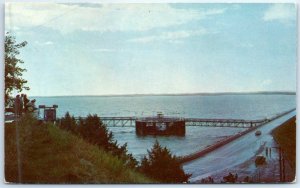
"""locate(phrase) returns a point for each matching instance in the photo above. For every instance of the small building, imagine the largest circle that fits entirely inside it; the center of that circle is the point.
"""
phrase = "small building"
(160, 125)
(47, 113)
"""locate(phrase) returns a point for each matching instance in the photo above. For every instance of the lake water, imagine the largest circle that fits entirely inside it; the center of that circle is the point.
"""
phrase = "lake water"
(249, 107)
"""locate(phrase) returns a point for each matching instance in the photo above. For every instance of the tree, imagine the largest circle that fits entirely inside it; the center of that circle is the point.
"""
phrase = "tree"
(68, 123)
(13, 72)
(163, 166)
(95, 132)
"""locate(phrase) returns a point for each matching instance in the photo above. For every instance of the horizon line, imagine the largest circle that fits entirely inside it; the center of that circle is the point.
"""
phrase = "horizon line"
(175, 94)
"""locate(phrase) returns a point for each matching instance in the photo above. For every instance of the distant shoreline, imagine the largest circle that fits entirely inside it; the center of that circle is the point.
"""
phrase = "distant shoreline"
(182, 94)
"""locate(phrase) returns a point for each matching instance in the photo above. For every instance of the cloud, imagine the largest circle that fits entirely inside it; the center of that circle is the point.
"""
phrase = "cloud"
(47, 43)
(266, 82)
(173, 36)
(104, 50)
(107, 17)
(280, 12)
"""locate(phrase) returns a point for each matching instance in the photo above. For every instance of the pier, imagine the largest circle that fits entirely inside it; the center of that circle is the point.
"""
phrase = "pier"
(200, 122)
(119, 121)
(235, 123)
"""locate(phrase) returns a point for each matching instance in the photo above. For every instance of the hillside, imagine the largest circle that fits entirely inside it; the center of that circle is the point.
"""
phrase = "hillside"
(285, 136)
(48, 154)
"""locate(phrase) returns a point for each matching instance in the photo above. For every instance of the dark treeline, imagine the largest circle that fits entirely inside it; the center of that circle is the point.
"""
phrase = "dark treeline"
(160, 164)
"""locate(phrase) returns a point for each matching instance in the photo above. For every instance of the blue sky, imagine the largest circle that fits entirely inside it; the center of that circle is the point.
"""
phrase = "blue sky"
(100, 49)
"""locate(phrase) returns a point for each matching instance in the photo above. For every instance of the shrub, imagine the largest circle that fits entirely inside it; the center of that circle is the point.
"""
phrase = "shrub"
(163, 166)
(68, 123)
(260, 160)
(95, 132)
(230, 178)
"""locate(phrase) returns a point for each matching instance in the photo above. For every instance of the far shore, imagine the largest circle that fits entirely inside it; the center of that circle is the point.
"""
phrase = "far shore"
(182, 94)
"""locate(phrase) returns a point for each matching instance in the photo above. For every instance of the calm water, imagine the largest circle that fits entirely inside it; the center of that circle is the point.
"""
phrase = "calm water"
(219, 106)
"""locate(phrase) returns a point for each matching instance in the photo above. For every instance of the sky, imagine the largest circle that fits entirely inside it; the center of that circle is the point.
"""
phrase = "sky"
(103, 49)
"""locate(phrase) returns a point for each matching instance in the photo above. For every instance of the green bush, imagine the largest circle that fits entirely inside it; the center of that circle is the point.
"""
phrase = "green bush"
(68, 123)
(163, 166)
(95, 132)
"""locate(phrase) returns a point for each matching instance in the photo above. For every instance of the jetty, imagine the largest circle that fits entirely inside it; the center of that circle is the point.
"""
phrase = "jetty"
(130, 121)
(237, 123)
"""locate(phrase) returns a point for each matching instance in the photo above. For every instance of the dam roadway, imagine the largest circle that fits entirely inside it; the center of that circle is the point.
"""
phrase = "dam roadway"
(234, 153)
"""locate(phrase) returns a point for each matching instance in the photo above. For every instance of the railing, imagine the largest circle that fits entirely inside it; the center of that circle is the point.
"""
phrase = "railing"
(239, 123)
(119, 121)
(130, 121)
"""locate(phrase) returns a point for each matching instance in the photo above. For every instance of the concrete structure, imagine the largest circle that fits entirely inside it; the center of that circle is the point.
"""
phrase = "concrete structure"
(160, 125)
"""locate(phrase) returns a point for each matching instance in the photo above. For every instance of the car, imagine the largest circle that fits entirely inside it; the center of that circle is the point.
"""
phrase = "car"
(257, 133)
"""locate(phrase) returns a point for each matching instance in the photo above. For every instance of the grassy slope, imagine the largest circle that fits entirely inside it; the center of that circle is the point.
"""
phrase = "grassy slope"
(285, 136)
(51, 155)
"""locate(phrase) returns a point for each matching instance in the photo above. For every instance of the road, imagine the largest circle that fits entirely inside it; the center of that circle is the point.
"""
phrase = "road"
(235, 153)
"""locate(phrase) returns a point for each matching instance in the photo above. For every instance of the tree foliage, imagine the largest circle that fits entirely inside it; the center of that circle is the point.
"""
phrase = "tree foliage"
(160, 164)
(95, 132)
(68, 123)
(163, 166)
(13, 71)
